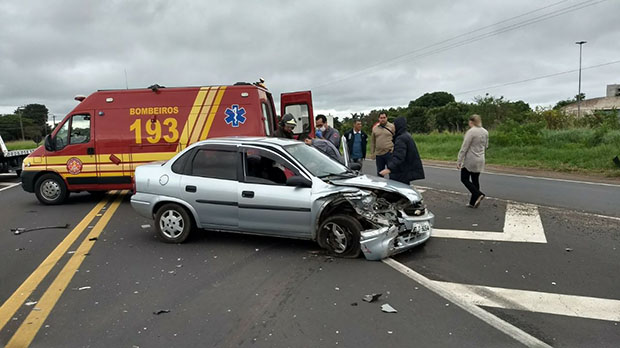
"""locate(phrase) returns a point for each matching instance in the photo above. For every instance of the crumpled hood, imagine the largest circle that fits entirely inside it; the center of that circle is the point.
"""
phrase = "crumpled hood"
(373, 182)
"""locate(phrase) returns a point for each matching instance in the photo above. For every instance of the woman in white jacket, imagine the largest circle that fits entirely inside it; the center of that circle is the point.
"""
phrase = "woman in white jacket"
(471, 159)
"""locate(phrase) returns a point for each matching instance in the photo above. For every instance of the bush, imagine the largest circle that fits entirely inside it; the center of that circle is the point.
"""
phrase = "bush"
(511, 133)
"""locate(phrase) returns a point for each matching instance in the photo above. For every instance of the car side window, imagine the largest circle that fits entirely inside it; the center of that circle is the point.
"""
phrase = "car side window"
(262, 167)
(179, 165)
(217, 164)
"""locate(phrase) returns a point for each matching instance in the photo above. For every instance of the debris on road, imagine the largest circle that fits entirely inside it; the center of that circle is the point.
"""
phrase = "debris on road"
(553, 283)
(93, 238)
(569, 249)
(371, 298)
(386, 308)
(145, 226)
(20, 249)
(30, 303)
(21, 230)
(82, 288)
(354, 304)
(161, 311)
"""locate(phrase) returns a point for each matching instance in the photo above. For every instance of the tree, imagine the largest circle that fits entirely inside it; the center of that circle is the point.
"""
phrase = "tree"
(433, 100)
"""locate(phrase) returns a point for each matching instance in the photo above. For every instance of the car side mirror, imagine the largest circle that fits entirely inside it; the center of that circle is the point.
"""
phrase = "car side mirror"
(355, 166)
(298, 181)
(50, 143)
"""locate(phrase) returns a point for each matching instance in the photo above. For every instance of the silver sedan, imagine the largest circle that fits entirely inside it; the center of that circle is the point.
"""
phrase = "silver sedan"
(284, 188)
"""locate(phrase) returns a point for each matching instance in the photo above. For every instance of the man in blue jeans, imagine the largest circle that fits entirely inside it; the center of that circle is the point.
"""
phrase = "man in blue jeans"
(356, 142)
(382, 142)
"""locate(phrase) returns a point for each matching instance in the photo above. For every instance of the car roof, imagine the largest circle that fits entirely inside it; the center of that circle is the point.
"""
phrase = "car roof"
(249, 141)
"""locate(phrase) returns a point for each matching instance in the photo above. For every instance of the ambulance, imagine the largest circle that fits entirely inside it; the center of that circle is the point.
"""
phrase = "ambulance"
(98, 145)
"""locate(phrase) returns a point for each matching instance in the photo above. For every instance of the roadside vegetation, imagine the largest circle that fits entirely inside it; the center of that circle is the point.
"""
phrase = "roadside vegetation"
(21, 145)
(519, 136)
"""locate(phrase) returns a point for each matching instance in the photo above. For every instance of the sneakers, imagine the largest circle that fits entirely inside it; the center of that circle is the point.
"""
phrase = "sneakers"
(469, 205)
(477, 204)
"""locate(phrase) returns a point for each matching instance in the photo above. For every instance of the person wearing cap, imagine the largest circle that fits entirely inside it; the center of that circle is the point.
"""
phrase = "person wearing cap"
(285, 127)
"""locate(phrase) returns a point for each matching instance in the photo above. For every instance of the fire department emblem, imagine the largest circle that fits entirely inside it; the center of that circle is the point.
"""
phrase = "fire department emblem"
(235, 115)
(74, 165)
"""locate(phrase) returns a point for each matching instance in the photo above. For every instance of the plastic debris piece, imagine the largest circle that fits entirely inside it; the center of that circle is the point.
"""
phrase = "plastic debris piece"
(83, 288)
(553, 283)
(569, 249)
(93, 238)
(390, 332)
(161, 311)
(474, 225)
(337, 288)
(71, 252)
(354, 304)
(179, 266)
(371, 298)
(21, 230)
(20, 249)
(386, 308)
(145, 226)
(30, 303)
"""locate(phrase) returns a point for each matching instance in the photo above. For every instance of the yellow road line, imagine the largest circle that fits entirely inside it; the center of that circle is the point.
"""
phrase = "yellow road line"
(13, 303)
(31, 325)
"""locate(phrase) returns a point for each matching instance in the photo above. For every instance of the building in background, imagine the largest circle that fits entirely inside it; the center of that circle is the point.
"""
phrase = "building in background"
(611, 102)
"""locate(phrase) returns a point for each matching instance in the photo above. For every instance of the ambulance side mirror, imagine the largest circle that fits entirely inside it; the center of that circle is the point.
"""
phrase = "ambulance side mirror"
(50, 144)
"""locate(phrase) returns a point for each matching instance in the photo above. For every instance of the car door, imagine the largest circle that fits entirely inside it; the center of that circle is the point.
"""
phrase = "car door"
(299, 104)
(266, 204)
(210, 185)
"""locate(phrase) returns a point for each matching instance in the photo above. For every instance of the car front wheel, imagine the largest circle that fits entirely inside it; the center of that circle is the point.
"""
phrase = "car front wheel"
(50, 189)
(173, 223)
(341, 235)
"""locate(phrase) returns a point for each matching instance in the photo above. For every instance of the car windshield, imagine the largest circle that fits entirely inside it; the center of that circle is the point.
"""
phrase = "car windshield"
(316, 162)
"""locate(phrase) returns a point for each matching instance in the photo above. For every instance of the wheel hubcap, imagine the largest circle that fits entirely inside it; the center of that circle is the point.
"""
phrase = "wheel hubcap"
(337, 237)
(171, 223)
(50, 190)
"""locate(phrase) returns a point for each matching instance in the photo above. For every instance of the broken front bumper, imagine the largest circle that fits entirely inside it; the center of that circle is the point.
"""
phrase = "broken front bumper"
(386, 241)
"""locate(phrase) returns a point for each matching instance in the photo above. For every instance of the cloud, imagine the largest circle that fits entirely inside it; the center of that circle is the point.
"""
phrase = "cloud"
(51, 51)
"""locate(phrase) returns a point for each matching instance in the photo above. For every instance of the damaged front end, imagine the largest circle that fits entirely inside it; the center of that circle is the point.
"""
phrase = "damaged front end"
(393, 222)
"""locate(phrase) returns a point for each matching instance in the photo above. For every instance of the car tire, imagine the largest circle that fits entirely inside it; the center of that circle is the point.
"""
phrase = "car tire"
(341, 236)
(173, 223)
(50, 189)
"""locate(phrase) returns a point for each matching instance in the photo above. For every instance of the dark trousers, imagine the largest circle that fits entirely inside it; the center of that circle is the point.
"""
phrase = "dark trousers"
(471, 181)
(382, 161)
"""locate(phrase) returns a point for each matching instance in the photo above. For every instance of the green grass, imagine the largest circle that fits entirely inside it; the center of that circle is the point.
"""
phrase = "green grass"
(20, 145)
(573, 150)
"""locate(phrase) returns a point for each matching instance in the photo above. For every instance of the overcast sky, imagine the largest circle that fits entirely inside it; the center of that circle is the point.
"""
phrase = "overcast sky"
(344, 51)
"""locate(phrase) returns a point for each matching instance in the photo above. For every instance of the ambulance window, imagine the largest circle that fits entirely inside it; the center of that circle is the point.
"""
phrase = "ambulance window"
(215, 164)
(62, 136)
(80, 129)
(268, 118)
(300, 111)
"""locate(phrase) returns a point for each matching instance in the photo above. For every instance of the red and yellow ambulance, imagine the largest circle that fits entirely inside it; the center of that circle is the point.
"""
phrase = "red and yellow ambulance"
(98, 145)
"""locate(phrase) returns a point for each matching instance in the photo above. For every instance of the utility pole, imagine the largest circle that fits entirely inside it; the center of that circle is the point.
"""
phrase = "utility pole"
(20, 111)
(580, 43)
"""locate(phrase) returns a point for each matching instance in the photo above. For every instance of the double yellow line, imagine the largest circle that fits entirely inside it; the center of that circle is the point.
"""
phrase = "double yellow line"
(31, 325)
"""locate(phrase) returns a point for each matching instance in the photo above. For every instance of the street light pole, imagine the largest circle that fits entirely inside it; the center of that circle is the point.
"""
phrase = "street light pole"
(580, 43)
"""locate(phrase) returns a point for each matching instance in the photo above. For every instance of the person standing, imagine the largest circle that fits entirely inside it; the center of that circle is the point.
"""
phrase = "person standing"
(471, 159)
(324, 131)
(405, 164)
(382, 142)
(356, 142)
(285, 127)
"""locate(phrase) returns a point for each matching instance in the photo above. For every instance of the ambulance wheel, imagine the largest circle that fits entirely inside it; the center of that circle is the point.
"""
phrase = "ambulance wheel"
(50, 189)
(173, 223)
(341, 236)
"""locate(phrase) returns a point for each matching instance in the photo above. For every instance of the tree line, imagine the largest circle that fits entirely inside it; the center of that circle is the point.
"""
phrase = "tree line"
(27, 122)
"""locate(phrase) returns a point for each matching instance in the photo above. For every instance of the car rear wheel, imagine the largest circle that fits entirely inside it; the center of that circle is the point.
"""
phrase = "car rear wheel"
(50, 189)
(173, 223)
(341, 236)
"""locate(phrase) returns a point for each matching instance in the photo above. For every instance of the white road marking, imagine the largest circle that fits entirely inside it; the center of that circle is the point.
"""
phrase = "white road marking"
(505, 327)
(522, 224)
(537, 177)
(534, 301)
(8, 187)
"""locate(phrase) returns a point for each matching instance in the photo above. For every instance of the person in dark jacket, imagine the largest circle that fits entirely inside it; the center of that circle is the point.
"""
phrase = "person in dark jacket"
(285, 127)
(405, 164)
(356, 142)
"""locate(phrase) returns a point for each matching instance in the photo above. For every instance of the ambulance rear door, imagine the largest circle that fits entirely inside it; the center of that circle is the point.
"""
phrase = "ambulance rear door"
(299, 104)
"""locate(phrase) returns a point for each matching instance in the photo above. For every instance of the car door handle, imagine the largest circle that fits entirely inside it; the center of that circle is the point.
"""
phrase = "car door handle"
(190, 188)
(247, 194)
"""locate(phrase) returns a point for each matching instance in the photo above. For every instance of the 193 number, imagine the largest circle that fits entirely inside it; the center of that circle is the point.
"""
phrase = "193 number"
(154, 132)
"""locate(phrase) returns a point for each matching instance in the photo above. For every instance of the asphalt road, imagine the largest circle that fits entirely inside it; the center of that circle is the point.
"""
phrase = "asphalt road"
(227, 290)
(590, 197)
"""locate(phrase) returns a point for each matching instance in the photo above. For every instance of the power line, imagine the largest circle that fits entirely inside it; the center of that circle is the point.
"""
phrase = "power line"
(536, 78)
(511, 27)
